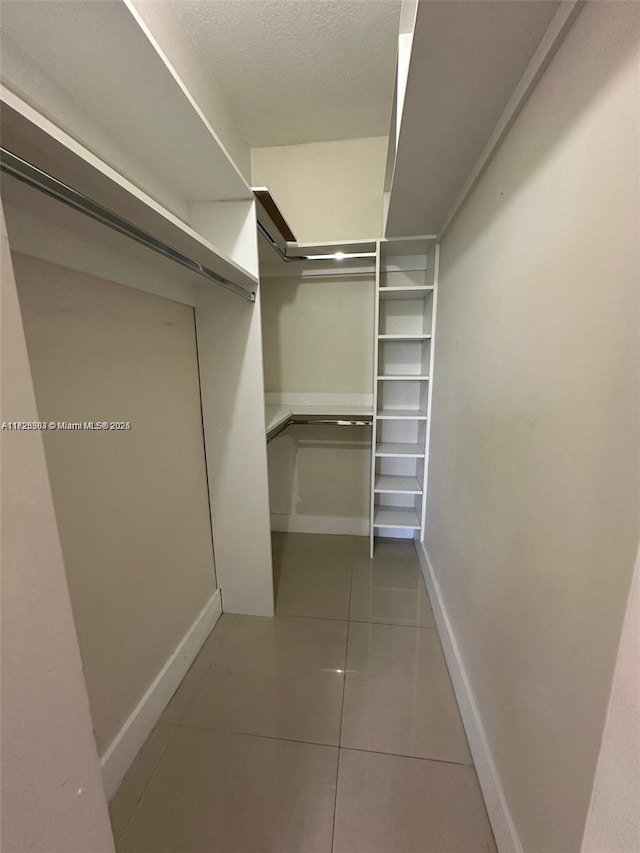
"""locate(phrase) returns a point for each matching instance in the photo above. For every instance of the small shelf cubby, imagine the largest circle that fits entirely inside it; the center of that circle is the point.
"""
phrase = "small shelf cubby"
(404, 358)
(405, 313)
(406, 318)
(405, 398)
(397, 515)
(399, 475)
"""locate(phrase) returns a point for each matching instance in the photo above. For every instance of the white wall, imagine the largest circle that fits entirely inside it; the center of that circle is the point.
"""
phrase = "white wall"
(318, 339)
(326, 190)
(532, 522)
(132, 506)
(52, 795)
(319, 480)
(318, 334)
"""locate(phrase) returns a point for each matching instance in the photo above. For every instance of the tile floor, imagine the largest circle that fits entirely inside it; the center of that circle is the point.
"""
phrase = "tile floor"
(332, 727)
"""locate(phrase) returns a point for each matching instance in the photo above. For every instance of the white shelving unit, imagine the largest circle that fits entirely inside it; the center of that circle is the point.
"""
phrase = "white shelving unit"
(406, 286)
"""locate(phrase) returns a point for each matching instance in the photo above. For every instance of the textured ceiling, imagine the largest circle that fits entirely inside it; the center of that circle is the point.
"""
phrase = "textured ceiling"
(299, 70)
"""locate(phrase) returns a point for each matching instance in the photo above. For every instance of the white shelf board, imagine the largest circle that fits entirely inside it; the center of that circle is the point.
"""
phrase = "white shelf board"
(411, 292)
(33, 137)
(102, 60)
(394, 484)
(275, 416)
(384, 516)
(405, 377)
(404, 337)
(460, 79)
(401, 415)
(397, 448)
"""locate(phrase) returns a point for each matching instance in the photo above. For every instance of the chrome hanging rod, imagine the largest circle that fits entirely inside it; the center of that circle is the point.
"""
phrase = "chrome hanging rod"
(41, 181)
(337, 256)
(319, 420)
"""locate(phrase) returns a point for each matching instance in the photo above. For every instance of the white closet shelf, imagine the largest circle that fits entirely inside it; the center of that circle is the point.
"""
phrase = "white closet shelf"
(397, 485)
(397, 448)
(101, 62)
(403, 337)
(402, 414)
(404, 377)
(399, 517)
(37, 140)
(409, 292)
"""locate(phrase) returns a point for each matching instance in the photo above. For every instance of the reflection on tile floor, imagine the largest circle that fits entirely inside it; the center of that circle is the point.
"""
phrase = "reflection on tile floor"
(332, 727)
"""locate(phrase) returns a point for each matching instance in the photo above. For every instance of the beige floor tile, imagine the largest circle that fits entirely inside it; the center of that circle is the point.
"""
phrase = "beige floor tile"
(175, 710)
(128, 794)
(319, 544)
(310, 585)
(398, 697)
(389, 590)
(279, 677)
(388, 804)
(403, 549)
(230, 793)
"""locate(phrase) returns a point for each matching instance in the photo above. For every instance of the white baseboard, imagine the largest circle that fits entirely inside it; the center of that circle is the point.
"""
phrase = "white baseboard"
(504, 830)
(339, 525)
(125, 746)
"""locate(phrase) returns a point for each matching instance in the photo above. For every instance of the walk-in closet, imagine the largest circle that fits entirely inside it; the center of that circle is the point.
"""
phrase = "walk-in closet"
(320, 417)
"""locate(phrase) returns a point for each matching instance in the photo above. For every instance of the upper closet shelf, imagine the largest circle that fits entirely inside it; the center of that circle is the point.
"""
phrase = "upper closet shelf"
(39, 142)
(100, 72)
(463, 71)
(91, 99)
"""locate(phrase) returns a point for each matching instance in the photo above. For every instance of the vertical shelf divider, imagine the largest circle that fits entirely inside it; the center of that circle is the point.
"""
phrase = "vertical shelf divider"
(430, 393)
(374, 431)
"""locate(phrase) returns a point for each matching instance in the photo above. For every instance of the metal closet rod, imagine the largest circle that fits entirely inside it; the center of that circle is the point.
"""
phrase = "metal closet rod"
(337, 256)
(319, 420)
(41, 181)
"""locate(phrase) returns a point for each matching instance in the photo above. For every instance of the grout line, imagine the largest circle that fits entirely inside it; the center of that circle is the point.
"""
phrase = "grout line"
(200, 681)
(348, 621)
(344, 689)
(393, 624)
(263, 737)
(320, 618)
(402, 755)
(327, 745)
(294, 616)
(335, 800)
(175, 727)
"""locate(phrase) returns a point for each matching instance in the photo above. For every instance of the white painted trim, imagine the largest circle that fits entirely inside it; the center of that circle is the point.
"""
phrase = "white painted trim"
(330, 524)
(125, 746)
(374, 383)
(432, 356)
(549, 44)
(504, 829)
